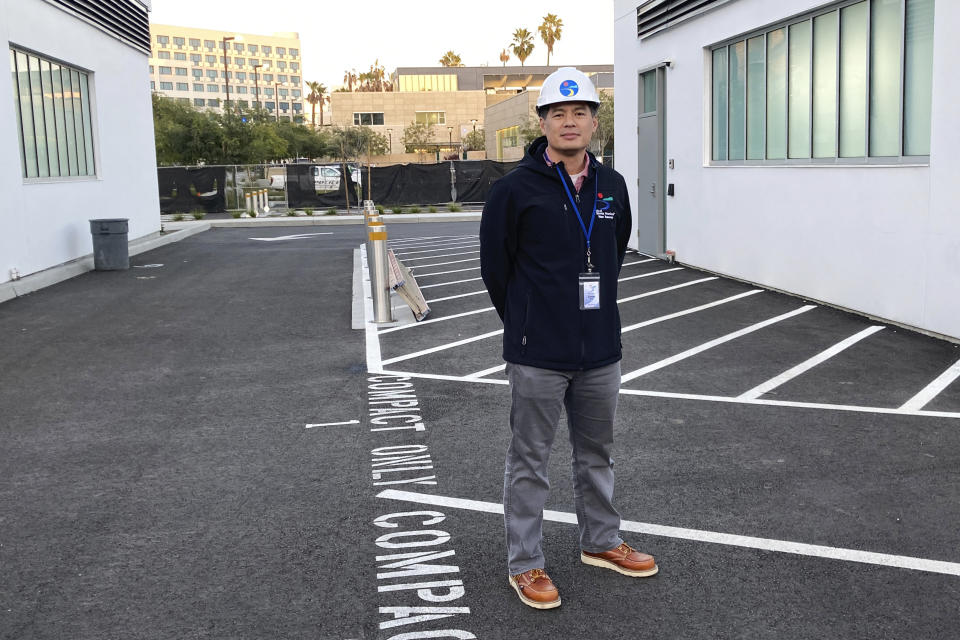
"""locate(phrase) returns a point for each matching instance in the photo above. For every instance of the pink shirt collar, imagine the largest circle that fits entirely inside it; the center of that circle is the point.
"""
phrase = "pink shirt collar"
(577, 178)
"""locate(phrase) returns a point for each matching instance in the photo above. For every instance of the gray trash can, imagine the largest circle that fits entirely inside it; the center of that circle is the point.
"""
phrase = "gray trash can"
(110, 248)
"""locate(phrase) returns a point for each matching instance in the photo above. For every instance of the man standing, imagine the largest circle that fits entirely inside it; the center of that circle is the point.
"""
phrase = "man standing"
(552, 240)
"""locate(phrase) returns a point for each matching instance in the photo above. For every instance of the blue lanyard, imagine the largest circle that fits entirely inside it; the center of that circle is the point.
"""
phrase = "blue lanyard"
(593, 216)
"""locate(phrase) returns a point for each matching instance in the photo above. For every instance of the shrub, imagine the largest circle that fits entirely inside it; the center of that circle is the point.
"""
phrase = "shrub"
(308, 211)
(380, 209)
(177, 217)
(291, 213)
(415, 209)
(198, 214)
(397, 209)
(236, 214)
(433, 209)
(454, 207)
(253, 213)
(331, 212)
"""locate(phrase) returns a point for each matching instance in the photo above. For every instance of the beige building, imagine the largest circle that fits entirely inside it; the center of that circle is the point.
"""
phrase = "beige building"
(454, 101)
(190, 65)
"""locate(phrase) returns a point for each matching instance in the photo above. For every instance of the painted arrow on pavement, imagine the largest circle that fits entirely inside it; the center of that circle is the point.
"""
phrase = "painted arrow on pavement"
(294, 237)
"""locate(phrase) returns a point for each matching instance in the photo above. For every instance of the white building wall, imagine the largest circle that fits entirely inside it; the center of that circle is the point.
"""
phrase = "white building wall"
(881, 240)
(43, 224)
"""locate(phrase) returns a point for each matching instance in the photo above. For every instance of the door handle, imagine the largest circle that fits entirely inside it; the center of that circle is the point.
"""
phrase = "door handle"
(653, 189)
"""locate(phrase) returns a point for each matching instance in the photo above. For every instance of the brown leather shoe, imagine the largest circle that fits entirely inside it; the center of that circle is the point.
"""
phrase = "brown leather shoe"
(536, 589)
(623, 560)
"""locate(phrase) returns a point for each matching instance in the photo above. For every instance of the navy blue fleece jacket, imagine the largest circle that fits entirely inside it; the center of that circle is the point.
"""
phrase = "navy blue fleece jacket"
(532, 250)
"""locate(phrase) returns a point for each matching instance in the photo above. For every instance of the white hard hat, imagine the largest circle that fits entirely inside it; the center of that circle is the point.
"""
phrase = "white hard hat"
(567, 85)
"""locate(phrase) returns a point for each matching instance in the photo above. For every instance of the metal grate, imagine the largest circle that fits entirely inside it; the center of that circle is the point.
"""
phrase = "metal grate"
(125, 20)
(654, 15)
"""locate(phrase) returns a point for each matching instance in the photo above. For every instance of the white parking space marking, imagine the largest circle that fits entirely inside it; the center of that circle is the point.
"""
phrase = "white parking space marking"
(443, 284)
(445, 255)
(697, 535)
(432, 320)
(443, 273)
(689, 353)
(432, 243)
(703, 307)
(487, 372)
(665, 289)
(297, 236)
(440, 264)
(803, 367)
(427, 238)
(933, 389)
(442, 347)
(630, 264)
(652, 273)
(372, 339)
(462, 295)
(332, 424)
(447, 248)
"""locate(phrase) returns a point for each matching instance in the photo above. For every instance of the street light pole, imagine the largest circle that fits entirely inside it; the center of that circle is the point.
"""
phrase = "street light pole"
(226, 74)
(450, 141)
(256, 83)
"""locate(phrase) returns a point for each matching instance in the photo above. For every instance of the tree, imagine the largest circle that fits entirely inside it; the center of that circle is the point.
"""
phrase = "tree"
(530, 130)
(450, 59)
(475, 141)
(522, 45)
(416, 137)
(349, 78)
(316, 96)
(504, 57)
(603, 137)
(550, 32)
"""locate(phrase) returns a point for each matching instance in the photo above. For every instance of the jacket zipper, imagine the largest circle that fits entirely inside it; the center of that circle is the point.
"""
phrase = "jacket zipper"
(526, 316)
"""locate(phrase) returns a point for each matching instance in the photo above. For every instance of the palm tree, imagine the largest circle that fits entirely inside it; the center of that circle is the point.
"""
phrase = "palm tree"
(550, 32)
(349, 77)
(522, 45)
(504, 57)
(450, 59)
(315, 97)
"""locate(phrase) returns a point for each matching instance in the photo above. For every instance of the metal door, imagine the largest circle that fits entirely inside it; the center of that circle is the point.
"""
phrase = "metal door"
(650, 223)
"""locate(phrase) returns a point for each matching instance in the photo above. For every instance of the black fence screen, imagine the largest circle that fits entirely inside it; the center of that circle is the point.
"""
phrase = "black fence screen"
(183, 190)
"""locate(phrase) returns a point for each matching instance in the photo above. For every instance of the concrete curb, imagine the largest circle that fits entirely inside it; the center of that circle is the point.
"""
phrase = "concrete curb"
(307, 221)
(53, 275)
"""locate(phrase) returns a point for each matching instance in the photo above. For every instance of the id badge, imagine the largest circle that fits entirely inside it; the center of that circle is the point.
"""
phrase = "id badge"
(589, 291)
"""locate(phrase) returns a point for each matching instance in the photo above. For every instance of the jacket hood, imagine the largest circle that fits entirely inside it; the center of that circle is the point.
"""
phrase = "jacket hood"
(533, 158)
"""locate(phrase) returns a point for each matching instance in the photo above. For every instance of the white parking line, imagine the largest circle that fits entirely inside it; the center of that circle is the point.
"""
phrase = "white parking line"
(803, 367)
(671, 316)
(443, 273)
(442, 347)
(697, 535)
(440, 264)
(445, 255)
(652, 273)
(665, 289)
(332, 424)
(666, 362)
(410, 253)
(432, 320)
(486, 372)
(462, 295)
(933, 389)
(422, 238)
(630, 264)
(432, 243)
(442, 284)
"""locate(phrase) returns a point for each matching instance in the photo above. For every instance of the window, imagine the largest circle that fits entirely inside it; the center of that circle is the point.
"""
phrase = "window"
(213, 102)
(281, 51)
(294, 52)
(195, 57)
(163, 55)
(151, 69)
(243, 104)
(266, 50)
(198, 87)
(213, 88)
(181, 71)
(281, 64)
(241, 75)
(199, 102)
(295, 79)
(268, 91)
(224, 59)
(849, 82)
(209, 44)
(179, 41)
(183, 86)
(164, 40)
(179, 56)
(297, 106)
(238, 62)
(270, 105)
(195, 43)
(284, 93)
(241, 89)
(284, 106)
(211, 73)
(153, 86)
(296, 94)
(211, 59)
(238, 47)
(166, 86)
(431, 117)
(252, 48)
(166, 71)
(436, 82)
(197, 73)
(183, 100)
(281, 78)
(368, 118)
(294, 66)
(267, 77)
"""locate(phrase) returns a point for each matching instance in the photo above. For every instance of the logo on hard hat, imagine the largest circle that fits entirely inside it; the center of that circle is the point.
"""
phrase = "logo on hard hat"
(568, 88)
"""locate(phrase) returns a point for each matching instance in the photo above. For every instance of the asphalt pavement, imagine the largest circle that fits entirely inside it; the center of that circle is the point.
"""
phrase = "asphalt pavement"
(202, 447)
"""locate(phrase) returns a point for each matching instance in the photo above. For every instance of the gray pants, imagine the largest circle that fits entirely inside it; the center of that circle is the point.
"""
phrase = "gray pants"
(590, 398)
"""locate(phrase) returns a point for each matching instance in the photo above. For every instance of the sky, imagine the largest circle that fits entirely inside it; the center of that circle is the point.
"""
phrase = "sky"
(336, 35)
